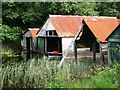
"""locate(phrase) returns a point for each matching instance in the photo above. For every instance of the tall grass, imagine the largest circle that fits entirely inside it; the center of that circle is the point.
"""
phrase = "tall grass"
(45, 74)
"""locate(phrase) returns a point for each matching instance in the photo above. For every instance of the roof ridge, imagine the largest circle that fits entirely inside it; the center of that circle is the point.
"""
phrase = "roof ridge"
(65, 16)
(82, 16)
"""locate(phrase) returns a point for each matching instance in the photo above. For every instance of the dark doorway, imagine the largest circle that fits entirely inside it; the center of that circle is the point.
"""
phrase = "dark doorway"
(54, 44)
(28, 43)
(87, 39)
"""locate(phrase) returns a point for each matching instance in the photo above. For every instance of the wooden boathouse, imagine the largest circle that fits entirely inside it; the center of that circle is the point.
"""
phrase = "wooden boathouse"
(57, 33)
(114, 45)
(94, 34)
(29, 41)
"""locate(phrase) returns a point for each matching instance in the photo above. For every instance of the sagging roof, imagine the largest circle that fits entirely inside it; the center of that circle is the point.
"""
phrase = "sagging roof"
(34, 31)
(65, 25)
(102, 27)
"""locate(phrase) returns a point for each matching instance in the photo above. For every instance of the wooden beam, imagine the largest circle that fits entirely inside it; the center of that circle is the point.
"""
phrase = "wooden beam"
(45, 46)
(75, 50)
(101, 56)
(37, 43)
(28, 43)
(94, 51)
(109, 56)
(58, 45)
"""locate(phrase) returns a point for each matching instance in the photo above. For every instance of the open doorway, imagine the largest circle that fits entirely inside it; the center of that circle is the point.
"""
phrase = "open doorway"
(54, 44)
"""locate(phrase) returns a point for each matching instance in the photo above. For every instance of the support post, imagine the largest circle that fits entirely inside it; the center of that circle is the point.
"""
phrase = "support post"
(28, 43)
(94, 51)
(75, 50)
(58, 48)
(37, 43)
(109, 55)
(45, 45)
(101, 55)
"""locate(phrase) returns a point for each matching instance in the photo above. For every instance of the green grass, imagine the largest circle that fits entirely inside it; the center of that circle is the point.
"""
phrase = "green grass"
(44, 73)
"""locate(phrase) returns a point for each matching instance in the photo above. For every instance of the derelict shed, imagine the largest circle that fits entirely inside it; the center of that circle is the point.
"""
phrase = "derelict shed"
(94, 33)
(114, 45)
(58, 32)
(29, 41)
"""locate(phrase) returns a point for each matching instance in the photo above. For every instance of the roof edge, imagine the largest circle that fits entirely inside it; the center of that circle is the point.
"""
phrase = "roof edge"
(113, 31)
(33, 28)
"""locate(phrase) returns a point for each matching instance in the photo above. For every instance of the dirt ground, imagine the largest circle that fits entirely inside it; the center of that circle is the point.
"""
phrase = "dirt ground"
(84, 54)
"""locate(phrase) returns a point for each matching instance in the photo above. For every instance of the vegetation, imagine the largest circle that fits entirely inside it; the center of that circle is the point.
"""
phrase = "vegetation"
(42, 73)
(10, 34)
(45, 74)
(19, 16)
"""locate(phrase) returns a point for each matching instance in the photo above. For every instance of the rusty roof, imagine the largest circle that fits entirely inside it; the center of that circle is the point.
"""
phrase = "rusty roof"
(114, 29)
(101, 27)
(119, 21)
(66, 25)
(34, 31)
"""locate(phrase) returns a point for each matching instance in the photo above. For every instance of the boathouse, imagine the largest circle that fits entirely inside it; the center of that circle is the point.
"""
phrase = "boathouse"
(29, 41)
(94, 34)
(57, 33)
(114, 45)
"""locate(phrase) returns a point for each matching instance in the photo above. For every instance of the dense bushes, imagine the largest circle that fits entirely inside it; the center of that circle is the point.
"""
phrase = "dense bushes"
(10, 33)
(46, 74)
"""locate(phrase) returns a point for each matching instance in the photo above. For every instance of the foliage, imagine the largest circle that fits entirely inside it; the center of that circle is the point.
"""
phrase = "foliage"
(40, 73)
(45, 74)
(10, 33)
(109, 9)
(34, 14)
(105, 77)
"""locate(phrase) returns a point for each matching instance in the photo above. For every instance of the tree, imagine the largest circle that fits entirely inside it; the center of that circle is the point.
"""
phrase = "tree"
(34, 14)
(109, 9)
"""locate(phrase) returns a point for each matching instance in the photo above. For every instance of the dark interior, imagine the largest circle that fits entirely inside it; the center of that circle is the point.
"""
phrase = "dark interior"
(28, 43)
(87, 39)
(51, 33)
(54, 44)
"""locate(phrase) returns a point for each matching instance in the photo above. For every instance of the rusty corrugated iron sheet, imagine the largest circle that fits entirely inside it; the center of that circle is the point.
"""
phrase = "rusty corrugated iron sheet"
(66, 26)
(114, 29)
(101, 27)
(34, 32)
(119, 21)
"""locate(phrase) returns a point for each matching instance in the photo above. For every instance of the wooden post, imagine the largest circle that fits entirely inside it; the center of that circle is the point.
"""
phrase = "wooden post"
(94, 51)
(36, 43)
(75, 50)
(32, 43)
(28, 56)
(28, 43)
(101, 55)
(45, 45)
(109, 57)
(58, 48)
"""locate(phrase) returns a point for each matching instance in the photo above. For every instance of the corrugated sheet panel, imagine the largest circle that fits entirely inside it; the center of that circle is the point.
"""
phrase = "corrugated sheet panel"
(119, 21)
(34, 32)
(102, 27)
(66, 26)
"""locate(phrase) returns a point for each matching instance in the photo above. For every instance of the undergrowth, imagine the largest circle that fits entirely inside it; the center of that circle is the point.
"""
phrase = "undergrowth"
(46, 74)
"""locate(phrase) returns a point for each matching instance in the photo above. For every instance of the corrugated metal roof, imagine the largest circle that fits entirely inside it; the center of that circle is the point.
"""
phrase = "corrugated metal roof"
(66, 25)
(34, 31)
(101, 27)
(114, 29)
(119, 21)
